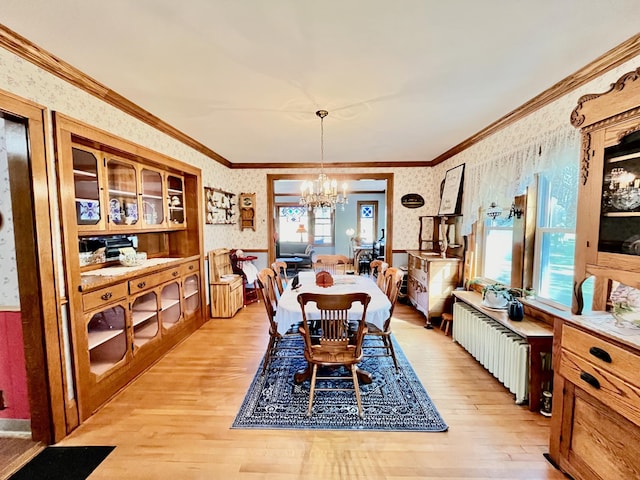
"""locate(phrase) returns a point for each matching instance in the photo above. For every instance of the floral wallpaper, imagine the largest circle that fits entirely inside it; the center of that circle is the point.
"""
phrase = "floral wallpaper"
(27, 81)
(9, 298)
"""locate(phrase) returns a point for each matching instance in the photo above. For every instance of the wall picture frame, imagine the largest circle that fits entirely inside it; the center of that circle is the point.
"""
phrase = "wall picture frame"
(450, 199)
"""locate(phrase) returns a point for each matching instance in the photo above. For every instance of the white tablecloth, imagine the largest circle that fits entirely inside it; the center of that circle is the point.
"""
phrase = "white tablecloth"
(289, 311)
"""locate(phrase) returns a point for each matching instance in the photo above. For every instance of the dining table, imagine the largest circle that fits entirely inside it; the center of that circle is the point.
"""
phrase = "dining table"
(289, 312)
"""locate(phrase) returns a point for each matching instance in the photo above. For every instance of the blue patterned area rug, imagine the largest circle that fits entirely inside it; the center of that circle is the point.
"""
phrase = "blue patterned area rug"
(394, 401)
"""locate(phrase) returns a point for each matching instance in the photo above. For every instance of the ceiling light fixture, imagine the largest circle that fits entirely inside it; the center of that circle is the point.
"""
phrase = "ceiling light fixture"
(322, 192)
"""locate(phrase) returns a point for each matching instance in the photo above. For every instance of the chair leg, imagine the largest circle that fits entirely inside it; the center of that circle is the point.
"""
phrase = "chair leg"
(267, 355)
(356, 387)
(392, 352)
(314, 373)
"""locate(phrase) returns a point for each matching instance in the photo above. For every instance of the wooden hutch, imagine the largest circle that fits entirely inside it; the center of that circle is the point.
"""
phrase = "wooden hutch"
(595, 431)
(435, 270)
(113, 195)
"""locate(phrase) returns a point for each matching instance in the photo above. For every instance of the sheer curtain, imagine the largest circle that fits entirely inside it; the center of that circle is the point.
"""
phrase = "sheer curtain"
(499, 178)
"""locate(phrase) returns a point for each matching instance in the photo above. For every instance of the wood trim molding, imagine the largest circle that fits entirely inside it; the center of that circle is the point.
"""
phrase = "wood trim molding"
(25, 49)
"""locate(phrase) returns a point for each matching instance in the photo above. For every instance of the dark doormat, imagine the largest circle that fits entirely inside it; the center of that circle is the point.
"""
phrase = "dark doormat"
(63, 463)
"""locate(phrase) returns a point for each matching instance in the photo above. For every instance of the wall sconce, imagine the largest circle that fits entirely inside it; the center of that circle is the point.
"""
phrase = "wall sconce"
(494, 211)
(515, 212)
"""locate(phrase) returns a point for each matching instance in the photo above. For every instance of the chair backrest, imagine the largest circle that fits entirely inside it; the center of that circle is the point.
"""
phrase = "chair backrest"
(332, 333)
(280, 268)
(378, 267)
(267, 285)
(219, 264)
(392, 281)
(331, 263)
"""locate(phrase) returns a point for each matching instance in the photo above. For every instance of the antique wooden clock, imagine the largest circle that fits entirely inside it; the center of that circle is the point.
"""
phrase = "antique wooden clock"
(247, 204)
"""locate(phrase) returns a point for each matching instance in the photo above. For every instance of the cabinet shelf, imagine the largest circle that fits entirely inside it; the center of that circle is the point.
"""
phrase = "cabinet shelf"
(82, 173)
(174, 191)
(98, 368)
(78, 200)
(190, 293)
(98, 337)
(124, 193)
(154, 197)
(167, 303)
(145, 333)
(139, 317)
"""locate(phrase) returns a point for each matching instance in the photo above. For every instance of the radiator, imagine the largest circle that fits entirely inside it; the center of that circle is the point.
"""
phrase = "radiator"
(503, 353)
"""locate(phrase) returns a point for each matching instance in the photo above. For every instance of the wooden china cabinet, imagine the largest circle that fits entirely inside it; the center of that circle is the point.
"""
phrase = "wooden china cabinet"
(114, 195)
(595, 431)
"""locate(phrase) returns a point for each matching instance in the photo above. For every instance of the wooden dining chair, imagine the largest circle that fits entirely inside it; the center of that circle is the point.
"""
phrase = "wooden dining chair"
(331, 344)
(392, 283)
(378, 267)
(281, 275)
(267, 286)
(331, 263)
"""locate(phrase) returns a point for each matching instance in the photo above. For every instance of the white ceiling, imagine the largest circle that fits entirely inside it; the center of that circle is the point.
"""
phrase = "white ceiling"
(403, 80)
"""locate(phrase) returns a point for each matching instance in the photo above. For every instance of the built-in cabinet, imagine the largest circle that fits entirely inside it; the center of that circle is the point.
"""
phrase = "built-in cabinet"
(595, 431)
(120, 195)
(123, 318)
(430, 281)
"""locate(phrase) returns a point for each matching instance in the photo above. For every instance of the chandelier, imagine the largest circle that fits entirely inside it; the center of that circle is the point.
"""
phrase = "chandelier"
(323, 191)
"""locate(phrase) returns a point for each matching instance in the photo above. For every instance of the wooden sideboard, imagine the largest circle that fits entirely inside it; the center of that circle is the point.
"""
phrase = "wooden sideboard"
(430, 281)
(595, 429)
(226, 288)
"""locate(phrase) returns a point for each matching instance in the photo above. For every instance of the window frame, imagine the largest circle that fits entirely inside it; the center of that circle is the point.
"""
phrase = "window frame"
(359, 205)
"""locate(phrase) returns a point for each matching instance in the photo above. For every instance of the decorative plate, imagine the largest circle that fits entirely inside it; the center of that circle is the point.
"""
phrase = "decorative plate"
(89, 210)
(131, 212)
(114, 210)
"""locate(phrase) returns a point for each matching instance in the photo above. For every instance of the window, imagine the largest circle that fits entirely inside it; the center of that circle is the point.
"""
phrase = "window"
(497, 249)
(555, 237)
(290, 218)
(322, 226)
(367, 222)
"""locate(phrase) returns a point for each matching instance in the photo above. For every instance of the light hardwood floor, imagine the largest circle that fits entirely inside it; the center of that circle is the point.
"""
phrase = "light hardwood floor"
(173, 421)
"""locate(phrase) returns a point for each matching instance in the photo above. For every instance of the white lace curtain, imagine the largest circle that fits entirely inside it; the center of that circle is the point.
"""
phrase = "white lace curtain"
(500, 178)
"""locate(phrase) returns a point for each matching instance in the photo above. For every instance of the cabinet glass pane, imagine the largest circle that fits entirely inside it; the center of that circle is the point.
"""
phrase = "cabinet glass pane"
(87, 192)
(123, 198)
(107, 340)
(176, 199)
(170, 300)
(152, 198)
(144, 317)
(620, 205)
(191, 297)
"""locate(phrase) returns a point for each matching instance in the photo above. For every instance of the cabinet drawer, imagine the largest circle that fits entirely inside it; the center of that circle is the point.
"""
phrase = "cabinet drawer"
(103, 296)
(601, 384)
(149, 281)
(190, 267)
(613, 359)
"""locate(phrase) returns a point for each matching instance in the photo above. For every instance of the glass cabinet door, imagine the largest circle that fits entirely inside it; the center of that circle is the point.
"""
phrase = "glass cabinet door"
(106, 338)
(191, 297)
(152, 198)
(170, 302)
(175, 191)
(144, 318)
(87, 187)
(123, 195)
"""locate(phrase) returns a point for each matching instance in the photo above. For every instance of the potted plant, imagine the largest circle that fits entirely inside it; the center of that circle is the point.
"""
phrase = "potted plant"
(496, 295)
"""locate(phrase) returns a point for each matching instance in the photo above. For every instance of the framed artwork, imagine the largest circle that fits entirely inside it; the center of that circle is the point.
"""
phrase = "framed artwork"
(452, 191)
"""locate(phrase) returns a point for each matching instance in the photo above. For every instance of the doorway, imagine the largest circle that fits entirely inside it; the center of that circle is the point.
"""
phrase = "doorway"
(15, 411)
(343, 224)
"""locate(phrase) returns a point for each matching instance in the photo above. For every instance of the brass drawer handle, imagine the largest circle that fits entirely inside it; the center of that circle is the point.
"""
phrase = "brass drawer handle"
(142, 284)
(106, 296)
(601, 354)
(175, 274)
(190, 267)
(590, 379)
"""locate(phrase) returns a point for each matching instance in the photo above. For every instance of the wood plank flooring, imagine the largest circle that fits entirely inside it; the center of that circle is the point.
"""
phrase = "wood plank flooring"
(173, 421)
